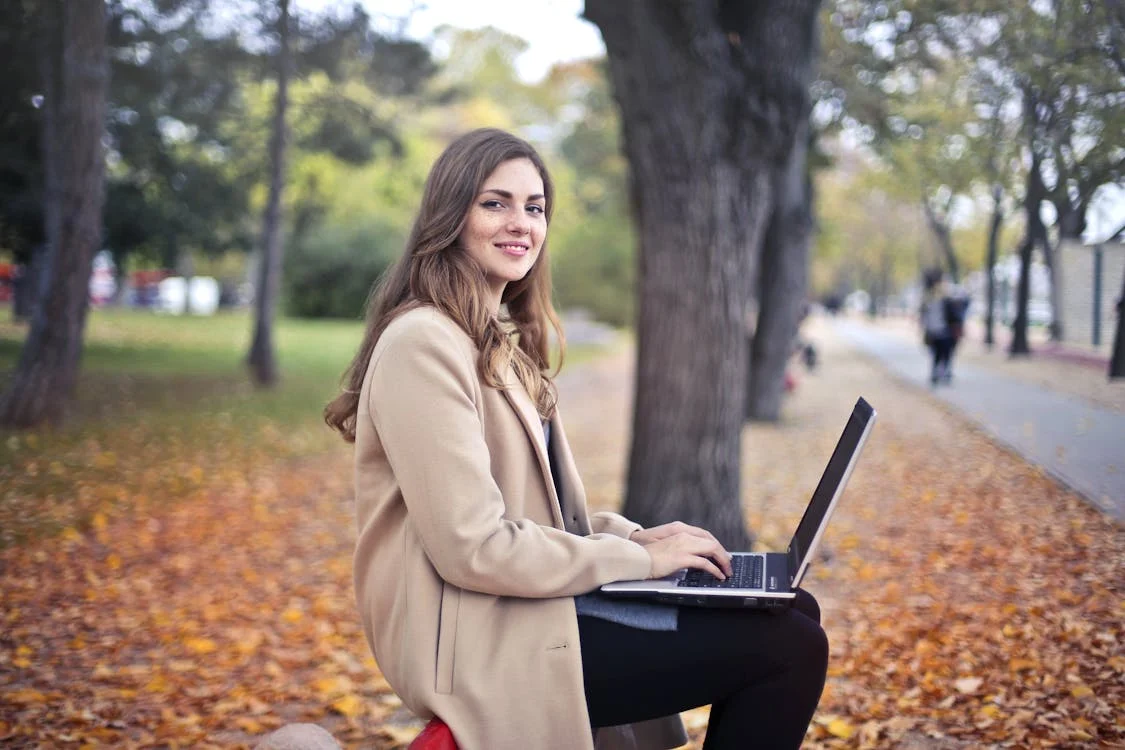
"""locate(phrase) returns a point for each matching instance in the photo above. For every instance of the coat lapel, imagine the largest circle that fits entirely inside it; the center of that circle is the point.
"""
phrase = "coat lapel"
(520, 401)
(574, 495)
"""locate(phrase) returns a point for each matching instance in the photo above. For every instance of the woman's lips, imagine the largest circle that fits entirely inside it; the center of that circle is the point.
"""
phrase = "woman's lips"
(514, 249)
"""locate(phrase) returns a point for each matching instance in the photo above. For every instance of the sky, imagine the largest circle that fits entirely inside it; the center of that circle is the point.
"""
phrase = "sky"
(554, 30)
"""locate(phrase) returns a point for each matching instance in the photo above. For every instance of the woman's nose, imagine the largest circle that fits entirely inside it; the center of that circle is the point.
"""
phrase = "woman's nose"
(518, 223)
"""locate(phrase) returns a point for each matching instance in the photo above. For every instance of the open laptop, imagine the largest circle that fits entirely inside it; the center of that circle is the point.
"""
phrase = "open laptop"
(766, 580)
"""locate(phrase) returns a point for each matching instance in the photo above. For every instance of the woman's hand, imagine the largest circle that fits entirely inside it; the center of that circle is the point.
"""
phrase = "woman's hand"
(644, 537)
(679, 545)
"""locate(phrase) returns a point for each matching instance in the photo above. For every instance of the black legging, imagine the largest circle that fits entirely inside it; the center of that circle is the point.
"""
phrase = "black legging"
(762, 673)
(942, 349)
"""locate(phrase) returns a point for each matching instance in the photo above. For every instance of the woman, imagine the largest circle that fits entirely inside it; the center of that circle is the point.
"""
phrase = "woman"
(937, 332)
(475, 550)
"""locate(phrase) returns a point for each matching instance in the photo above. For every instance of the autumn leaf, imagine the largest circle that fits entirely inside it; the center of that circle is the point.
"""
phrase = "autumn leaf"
(348, 705)
(191, 609)
(840, 728)
(968, 685)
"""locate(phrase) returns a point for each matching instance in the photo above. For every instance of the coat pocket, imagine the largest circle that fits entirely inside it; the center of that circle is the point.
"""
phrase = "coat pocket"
(447, 637)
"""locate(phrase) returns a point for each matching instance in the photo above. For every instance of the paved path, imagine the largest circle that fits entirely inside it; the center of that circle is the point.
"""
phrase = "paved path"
(1079, 443)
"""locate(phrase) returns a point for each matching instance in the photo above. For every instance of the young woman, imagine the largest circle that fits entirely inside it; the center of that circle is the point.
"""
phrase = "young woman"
(476, 555)
(937, 331)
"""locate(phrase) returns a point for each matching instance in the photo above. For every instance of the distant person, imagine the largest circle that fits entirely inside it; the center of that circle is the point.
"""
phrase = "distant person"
(942, 317)
(476, 553)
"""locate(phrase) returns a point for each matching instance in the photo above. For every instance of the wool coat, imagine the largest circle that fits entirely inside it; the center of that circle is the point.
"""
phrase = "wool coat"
(465, 570)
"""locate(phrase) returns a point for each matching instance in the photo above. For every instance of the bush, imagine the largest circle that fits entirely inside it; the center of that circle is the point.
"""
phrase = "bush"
(593, 269)
(329, 273)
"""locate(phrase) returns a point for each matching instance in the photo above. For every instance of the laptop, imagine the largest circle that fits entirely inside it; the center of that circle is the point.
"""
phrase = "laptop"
(766, 580)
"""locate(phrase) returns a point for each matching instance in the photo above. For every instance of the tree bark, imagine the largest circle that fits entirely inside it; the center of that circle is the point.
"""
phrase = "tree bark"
(1117, 360)
(1035, 233)
(1055, 273)
(940, 228)
(261, 359)
(75, 80)
(782, 284)
(711, 94)
(991, 252)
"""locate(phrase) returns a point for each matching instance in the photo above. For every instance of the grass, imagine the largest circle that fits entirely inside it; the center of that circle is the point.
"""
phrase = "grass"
(164, 410)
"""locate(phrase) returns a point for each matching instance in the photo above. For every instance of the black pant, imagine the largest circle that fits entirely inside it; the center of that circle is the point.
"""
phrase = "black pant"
(762, 673)
(942, 349)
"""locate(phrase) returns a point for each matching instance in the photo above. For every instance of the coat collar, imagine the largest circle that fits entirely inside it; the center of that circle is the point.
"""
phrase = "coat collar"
(521, 402)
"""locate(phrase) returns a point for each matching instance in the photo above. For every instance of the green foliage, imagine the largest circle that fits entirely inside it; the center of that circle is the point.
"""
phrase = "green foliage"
(592, 268)
(593, 241)
(21, 172)
(951, 98)
(329, 273)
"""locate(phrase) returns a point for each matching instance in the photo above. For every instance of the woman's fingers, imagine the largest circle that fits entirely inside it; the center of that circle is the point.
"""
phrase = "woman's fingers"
(704, 563)
(709, 549)
(685, 550)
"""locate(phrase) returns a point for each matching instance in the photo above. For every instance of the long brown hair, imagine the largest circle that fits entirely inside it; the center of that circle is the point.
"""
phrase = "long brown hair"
(436, 271)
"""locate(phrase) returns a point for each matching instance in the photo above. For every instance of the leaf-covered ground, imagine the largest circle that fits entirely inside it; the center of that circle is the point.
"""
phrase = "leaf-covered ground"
(969, 600)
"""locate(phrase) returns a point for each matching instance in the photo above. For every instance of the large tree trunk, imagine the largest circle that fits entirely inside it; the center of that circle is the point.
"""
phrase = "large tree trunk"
(1117, 360)
(75, 80)
(262, 361)
(710, 95)
(783, 279)
(990, 262)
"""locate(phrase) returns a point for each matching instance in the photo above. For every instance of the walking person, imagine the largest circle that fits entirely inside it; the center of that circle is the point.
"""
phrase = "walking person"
(941, 317)
(476, 555)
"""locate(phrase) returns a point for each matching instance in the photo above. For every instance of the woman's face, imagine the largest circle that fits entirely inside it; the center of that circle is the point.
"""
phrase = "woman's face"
(507, 224)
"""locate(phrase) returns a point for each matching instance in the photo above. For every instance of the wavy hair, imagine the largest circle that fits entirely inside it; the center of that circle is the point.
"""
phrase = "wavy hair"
(435, 270)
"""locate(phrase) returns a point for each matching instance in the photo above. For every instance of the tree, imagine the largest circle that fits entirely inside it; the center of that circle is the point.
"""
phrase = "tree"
(1117, 361)
(176, 86)
(1035, 233)
(337, 120)
(783, 281)
(261, 359)
(75, 79)
(711, 96)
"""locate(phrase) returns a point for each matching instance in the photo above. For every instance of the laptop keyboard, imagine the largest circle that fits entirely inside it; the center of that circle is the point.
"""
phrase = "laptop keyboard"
(747, 572)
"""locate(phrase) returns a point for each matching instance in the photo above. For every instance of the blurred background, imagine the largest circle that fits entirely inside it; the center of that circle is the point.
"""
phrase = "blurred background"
(920, 142)
(197, 195)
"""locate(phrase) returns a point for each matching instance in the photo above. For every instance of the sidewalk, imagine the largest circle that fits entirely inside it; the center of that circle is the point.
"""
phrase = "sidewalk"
(1048, 410)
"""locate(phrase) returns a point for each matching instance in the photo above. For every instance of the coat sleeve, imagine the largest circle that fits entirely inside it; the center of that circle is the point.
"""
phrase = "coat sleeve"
(421, 398)
(605, 522)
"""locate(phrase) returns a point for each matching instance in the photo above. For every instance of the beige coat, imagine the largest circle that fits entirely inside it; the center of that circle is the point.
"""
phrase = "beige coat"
(465, 572)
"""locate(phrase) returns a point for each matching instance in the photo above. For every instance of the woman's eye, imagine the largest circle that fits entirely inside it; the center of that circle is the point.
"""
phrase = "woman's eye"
(535, 209)
(492, 204)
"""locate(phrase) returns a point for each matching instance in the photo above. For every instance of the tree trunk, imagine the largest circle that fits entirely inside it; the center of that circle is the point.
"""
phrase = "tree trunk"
(1055, 273)
(782, 284)
(75, 80)
(990, 262)
(940, 228)
(29, 283)
(262, 362)
(1019, 345)
(1035, 233)
(1117, 360)
(710, 99)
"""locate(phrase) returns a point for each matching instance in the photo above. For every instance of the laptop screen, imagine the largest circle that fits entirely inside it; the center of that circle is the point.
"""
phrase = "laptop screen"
(831, 484)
